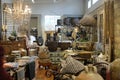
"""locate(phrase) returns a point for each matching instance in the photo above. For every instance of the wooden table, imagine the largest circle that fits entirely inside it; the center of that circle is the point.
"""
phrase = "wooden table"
(82, 55)
(85, 54)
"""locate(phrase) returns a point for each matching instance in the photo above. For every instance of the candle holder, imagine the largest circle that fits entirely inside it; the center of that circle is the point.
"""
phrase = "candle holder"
(4, 32)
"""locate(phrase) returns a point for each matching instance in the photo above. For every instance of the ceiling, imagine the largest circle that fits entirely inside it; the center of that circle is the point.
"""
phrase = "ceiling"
(43, 1)
(47, 1)
(36, 1)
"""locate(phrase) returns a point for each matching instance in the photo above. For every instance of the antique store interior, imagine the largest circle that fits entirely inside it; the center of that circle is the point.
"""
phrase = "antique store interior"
(60, 39)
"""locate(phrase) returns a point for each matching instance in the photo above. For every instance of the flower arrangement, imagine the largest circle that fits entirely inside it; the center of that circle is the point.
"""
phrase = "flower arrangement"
(13, 36)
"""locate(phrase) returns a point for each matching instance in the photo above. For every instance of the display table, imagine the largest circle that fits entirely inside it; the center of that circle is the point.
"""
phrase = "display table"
(10, 46)
(64, 45)
(26, 71)
(85, 46)
(17, 73)
(53, 45)
(85, 54)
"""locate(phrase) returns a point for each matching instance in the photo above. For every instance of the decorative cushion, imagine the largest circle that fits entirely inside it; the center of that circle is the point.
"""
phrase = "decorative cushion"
(72, 66)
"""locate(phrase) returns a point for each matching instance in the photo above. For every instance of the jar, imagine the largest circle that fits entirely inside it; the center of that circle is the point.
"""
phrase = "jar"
(90, 73)
(115, 69)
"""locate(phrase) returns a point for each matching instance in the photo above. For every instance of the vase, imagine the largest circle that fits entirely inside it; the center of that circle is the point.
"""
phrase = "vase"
(12, 38)
(90, 73)
(115, 69)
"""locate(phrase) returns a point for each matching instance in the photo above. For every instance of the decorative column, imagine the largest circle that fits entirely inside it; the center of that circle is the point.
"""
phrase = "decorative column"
(109, 28)
(117, 28)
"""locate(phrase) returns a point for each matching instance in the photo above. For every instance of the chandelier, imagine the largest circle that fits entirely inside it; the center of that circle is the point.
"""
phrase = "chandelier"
(20, 12)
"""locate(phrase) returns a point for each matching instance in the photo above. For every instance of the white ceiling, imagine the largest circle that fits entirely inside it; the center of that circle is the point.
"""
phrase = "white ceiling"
(47, 1)
(43, 1)
(37, 1)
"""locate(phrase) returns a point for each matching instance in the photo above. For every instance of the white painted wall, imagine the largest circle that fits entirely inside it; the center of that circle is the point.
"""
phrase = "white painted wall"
(6, 1)
(93, 7)
(61, 7)
(70, 7)
(64, 7)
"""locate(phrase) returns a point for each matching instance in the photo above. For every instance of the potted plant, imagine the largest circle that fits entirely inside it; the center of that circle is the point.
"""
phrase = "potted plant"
(14, 33)
(13, 36)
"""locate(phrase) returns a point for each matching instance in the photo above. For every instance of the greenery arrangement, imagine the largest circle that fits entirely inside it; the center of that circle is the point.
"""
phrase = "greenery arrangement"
(13, 33)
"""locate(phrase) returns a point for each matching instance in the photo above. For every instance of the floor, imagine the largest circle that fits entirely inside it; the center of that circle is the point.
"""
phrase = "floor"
(42, 73)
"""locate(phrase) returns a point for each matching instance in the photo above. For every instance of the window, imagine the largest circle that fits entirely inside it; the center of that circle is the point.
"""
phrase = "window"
(94, 1)
(50, 22)
(89, 3)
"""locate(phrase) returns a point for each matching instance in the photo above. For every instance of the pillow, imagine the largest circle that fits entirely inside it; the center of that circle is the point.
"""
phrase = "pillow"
(72, 66)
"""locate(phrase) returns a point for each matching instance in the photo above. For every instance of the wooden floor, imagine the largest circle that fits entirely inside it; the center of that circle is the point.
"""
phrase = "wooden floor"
(41, 74)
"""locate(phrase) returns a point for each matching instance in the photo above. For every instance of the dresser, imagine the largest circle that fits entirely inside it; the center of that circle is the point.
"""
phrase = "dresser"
(10, 46)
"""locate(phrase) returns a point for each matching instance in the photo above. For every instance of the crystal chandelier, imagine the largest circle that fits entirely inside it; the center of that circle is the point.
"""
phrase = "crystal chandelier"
(20, 12)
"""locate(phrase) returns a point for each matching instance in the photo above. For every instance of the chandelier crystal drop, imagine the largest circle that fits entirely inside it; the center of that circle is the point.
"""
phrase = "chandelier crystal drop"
(20, 12)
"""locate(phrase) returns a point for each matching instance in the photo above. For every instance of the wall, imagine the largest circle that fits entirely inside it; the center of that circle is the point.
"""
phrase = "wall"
(7, 1)
(93, 7)
(116, 23)
(33, 22)
(38, 23)
(96, 10)
(64, 7)
(117, 27)
(70, 7)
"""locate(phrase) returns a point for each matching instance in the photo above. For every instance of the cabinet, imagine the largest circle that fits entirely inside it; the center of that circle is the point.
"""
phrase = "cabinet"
(9, 46)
